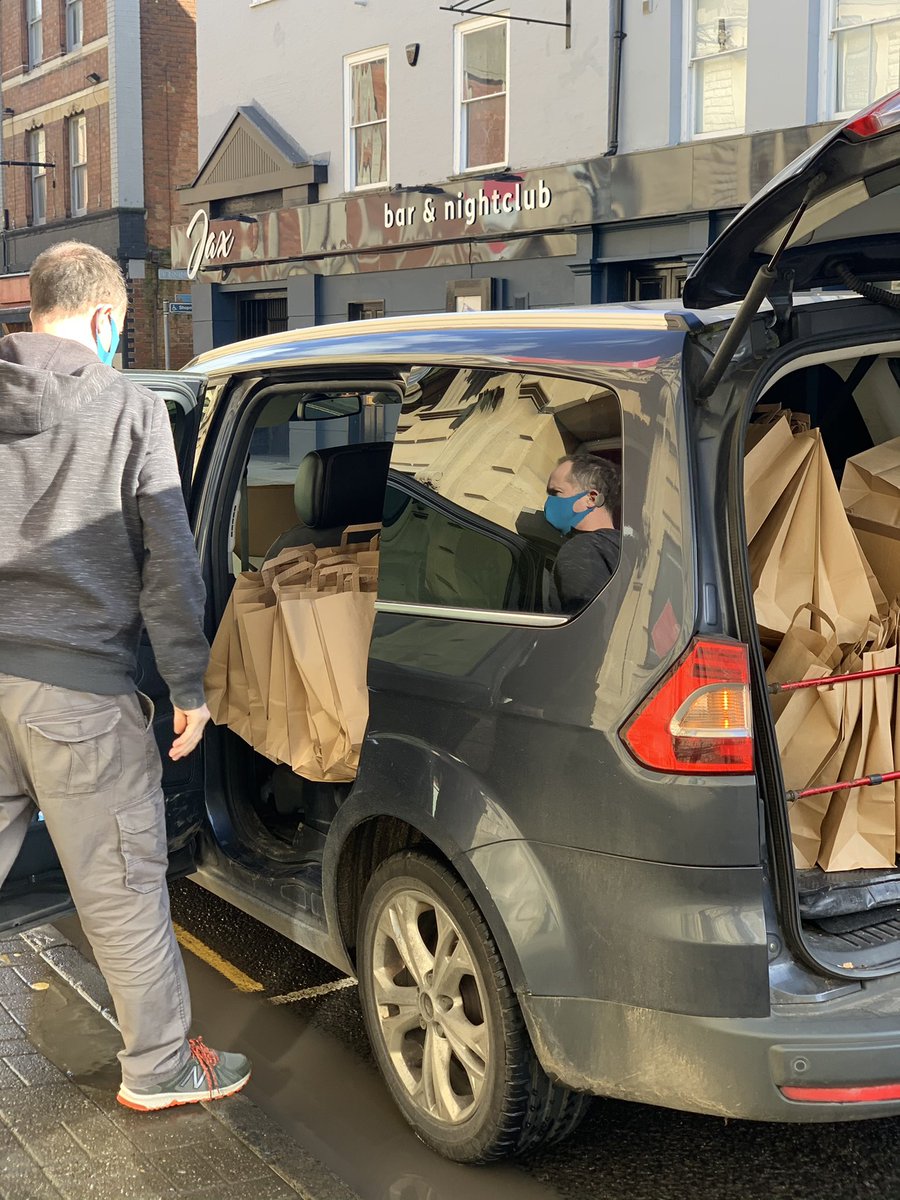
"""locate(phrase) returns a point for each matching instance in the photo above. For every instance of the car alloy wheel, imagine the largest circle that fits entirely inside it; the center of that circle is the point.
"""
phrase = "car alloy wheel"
(444, 1021)
(430, 1005)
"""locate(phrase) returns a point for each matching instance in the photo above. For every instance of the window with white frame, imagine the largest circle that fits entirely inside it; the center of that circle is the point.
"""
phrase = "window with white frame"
(37, 156)
(718, 66)
(482, 55)
(74, 24)
(366, 105)
(78, 181)
(34, 16)
(864, 52)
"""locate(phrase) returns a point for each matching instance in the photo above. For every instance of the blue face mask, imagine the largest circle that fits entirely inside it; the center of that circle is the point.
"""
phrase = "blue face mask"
(560, 511)
(106, 356)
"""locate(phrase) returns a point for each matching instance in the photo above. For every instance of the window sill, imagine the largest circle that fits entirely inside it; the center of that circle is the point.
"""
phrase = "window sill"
(64, 59)
(716, 133)
(468, 172)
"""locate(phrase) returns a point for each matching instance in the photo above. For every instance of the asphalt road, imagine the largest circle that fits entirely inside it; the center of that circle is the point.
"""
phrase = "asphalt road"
(314, 1074)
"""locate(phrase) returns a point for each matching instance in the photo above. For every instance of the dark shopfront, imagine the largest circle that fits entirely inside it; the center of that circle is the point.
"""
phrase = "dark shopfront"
(264, 254)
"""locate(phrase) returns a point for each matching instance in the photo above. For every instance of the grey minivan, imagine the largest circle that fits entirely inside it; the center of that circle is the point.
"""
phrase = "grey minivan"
(555, 875)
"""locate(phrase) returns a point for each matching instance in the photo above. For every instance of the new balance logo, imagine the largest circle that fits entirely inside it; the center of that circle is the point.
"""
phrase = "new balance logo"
(199, 1080)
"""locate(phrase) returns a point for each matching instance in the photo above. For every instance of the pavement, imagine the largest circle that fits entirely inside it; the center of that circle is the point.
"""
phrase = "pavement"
(62, 1133)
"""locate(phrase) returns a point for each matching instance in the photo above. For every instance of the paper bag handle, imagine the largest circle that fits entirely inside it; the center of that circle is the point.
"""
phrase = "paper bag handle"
(374, 528)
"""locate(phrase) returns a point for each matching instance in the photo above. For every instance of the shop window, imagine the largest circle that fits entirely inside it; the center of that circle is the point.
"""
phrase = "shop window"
(37, 156)
(482, 51)
(863, 54)
(366, 105)
(465, 528)
(657, 281)
(34, 18)
(74, 24)
(717, 66)
(78, 180)
(365, 310)
(260, 313)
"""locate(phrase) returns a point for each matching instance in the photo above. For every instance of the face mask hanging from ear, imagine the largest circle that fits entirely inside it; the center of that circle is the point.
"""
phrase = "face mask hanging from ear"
(107, 355)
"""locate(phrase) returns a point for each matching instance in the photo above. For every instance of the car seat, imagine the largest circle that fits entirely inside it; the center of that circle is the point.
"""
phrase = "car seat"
(336, 487)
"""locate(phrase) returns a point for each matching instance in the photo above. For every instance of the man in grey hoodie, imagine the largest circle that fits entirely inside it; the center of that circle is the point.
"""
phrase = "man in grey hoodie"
(95, 543)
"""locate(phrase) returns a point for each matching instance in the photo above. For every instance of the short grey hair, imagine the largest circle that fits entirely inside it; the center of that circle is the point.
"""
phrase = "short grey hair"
(71, 276)
(596, 475)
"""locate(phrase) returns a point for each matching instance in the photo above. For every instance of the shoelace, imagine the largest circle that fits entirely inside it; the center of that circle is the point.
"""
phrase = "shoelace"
(208, 1060)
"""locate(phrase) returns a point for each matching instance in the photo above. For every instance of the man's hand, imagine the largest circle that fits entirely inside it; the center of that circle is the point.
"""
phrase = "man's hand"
(189, 725)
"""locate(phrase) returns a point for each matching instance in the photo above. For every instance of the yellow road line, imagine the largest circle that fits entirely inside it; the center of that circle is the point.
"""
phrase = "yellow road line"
(233, 974)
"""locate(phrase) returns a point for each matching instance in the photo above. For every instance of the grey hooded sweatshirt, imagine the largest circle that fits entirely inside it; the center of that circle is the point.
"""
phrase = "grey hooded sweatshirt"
(94, 537)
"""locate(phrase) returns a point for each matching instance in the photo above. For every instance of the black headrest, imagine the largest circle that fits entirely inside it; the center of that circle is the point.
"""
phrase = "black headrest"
(342, 485)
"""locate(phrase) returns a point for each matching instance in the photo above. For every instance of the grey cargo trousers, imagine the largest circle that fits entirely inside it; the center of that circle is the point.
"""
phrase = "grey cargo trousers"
(90, 764)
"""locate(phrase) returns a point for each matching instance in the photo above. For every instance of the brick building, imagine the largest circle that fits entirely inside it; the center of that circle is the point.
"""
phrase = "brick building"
(99, 104)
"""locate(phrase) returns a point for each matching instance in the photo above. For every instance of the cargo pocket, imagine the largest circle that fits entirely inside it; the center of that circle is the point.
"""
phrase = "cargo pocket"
(74, 753)
(142, 840)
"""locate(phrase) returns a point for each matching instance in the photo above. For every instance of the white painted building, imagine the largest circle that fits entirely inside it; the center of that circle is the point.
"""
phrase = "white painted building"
(359, 117)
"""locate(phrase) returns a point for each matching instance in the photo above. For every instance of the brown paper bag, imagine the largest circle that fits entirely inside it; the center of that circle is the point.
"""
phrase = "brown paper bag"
(226, 681)
(801, 648)
(870, 485)
(254, 622)
(859, 829)
(810, 734)
(329, 639)
(309, 657)
(806, 552)
(870, 492)
(215, 683)
(782, 554)
(808, 726)
(769, 468)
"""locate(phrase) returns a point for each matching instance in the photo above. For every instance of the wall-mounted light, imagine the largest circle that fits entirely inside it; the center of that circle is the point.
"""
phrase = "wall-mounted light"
(92, 77)
(412, 53)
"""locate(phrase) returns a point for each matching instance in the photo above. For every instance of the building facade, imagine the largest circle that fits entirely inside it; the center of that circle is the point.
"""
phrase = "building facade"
(98, 126)
(388, 156)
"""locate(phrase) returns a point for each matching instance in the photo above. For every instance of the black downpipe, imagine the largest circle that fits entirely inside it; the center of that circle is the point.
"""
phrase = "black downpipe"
(617, 37)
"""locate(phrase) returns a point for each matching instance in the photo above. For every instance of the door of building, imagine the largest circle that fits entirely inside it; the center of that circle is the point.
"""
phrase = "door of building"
(657, 281)
(259, 313)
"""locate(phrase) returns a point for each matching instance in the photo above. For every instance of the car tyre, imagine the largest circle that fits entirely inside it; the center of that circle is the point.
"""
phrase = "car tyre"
(444, 1022)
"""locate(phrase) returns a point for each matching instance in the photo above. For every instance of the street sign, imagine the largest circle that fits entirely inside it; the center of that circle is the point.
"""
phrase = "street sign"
(172, 273)
(183, 298)
(180, 309)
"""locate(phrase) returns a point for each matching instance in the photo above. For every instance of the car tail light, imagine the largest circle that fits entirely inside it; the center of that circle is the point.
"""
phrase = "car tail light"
(879, 118)
(698, 720)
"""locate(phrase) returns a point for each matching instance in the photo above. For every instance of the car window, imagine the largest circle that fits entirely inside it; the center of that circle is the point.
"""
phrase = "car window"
(477, 448)
(433, 557)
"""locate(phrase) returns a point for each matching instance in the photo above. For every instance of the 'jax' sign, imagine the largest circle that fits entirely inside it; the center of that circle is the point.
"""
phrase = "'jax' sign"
(495, 200)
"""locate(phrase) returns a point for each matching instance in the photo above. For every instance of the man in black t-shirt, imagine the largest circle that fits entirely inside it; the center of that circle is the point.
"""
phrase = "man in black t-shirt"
(582, 495)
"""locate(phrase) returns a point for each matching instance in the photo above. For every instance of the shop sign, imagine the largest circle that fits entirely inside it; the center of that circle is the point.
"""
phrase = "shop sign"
(206, 247)
(494, 200)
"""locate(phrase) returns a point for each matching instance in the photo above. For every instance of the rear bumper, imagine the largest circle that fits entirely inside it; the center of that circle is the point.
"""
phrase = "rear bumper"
(728, 1067)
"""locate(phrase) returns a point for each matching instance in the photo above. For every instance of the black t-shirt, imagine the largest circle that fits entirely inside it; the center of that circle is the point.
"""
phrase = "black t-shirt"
(583, 567)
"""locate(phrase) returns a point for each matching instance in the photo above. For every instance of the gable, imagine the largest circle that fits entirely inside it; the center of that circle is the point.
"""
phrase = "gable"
(251, 156)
